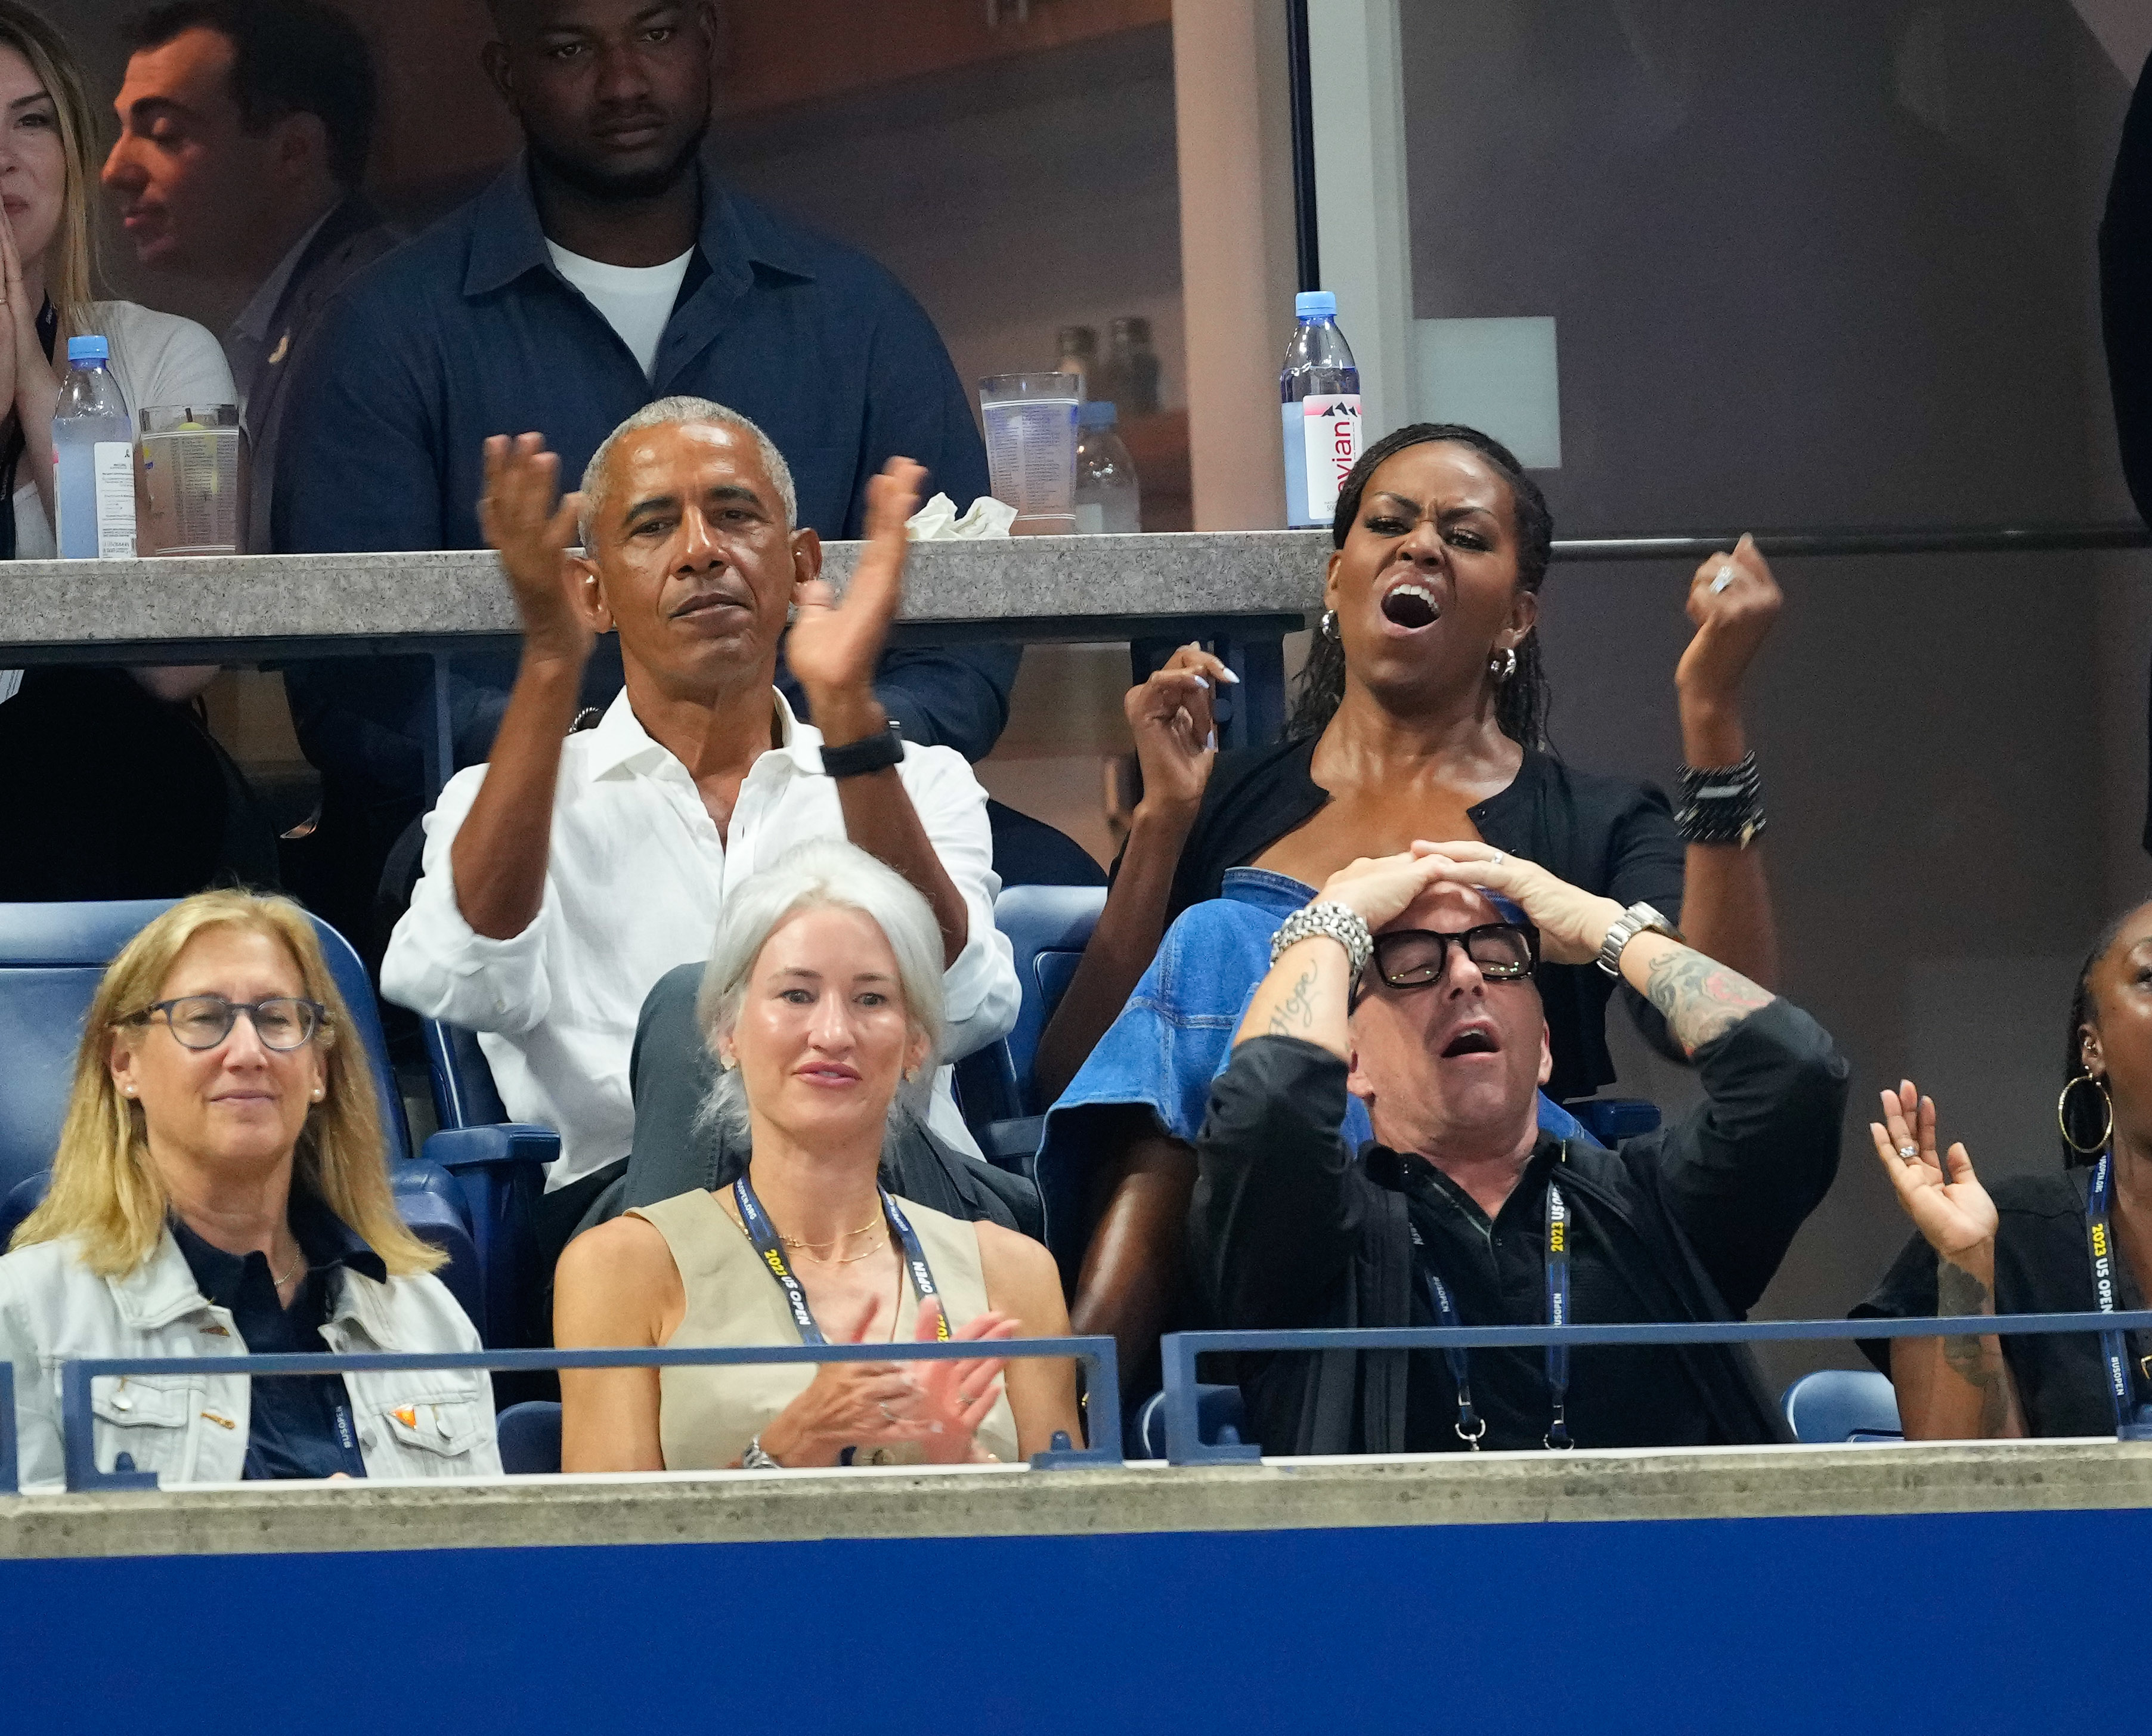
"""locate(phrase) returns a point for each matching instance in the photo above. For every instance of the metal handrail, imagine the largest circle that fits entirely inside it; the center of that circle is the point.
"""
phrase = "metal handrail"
(1179, 1351)
(1940, 540)
(79, 1423)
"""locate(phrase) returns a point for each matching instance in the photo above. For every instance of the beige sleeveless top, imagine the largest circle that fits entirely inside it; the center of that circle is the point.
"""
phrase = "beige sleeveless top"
(707, 1416)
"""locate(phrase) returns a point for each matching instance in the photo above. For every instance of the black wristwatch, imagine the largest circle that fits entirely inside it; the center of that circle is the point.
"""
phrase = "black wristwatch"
(870, 753)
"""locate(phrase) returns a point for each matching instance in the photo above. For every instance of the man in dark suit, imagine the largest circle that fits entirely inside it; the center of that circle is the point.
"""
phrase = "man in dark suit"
(245, 128)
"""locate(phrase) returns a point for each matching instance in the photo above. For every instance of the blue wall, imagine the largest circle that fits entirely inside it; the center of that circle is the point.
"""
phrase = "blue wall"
(1972, 1623)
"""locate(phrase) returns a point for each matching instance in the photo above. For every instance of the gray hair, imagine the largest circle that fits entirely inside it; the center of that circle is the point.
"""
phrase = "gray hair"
(692, 412)
(822, 874)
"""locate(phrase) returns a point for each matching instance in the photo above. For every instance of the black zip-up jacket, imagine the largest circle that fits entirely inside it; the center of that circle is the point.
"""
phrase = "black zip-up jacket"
(1289, 1229)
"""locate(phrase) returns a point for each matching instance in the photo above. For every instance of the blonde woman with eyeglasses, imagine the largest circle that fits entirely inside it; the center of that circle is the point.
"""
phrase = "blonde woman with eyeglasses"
(221, 1188)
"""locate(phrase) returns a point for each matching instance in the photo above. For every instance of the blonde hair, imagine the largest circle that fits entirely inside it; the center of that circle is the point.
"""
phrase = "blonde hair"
(70, 261)
(822, 873)
(106, 1192)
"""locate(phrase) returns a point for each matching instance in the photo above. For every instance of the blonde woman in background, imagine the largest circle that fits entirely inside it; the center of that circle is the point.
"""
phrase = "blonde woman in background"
(121, 784)
(221, 1188)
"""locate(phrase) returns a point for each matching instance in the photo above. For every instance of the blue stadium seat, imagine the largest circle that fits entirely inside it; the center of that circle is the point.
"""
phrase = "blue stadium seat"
(501, 1166)
(52, 957)
(1220, 1415)
(530, 1437)
(1834, 1406)
(1048, 928)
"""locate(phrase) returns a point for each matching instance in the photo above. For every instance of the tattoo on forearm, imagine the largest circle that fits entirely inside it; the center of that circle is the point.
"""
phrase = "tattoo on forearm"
(1958, 1292)
(1701, 998)
(1296, 1013)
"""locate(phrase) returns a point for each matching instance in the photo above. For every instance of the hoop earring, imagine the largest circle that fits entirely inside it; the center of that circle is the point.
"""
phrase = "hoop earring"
(1329, 627)
(2063, 1116)
(1503, 666)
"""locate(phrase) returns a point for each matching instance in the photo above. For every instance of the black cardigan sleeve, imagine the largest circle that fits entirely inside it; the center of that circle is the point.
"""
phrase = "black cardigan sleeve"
(1279, 1202)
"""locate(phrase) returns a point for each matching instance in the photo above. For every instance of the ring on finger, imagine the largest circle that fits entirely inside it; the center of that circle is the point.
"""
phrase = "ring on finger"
(888, 1414)
(1723, 578)
(1909, 1152)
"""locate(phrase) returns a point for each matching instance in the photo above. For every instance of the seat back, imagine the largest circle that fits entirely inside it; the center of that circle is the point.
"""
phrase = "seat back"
(1221, 1415)
(529, 1435)
(465, 1094)
(1841, 1405)
(51, 958)
(1048, 928)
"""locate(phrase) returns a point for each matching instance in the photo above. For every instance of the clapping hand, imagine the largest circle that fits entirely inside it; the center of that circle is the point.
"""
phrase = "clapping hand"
(958, 1394)
(1173, 720)
(532, 535)
(833, 646)
(1733, 600)
(1939, 1192)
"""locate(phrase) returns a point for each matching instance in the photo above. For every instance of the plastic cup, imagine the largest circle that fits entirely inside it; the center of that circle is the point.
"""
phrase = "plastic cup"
(192, 471)
(1030, 448)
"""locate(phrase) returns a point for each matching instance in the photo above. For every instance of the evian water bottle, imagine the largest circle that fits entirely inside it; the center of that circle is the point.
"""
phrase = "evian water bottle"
(1321, 392)
(93, 457)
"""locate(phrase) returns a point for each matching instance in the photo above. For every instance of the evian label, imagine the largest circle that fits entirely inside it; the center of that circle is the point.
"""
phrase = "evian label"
(1330, 430)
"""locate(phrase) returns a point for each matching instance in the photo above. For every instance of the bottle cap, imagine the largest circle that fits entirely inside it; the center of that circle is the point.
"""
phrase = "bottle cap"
(1132, 328)
(92, 348)
(1078, 340)
(1315, 304)
(1094, 415)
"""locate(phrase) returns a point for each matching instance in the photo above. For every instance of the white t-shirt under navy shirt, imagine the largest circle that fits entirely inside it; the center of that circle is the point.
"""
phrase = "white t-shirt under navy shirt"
(636, 300)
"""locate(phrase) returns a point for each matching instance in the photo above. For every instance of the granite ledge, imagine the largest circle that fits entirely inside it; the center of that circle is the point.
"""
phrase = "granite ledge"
(1491, 1489)
(285, 597)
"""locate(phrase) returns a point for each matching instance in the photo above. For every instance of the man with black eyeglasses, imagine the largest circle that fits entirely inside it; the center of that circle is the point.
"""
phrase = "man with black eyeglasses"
(1408, 983)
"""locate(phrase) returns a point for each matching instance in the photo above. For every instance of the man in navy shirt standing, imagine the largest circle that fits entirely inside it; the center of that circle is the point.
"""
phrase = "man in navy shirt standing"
(604, 269)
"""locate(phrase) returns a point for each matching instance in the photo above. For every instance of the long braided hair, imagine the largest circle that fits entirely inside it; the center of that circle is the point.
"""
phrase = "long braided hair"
(1521, 704)
(2081, 1114)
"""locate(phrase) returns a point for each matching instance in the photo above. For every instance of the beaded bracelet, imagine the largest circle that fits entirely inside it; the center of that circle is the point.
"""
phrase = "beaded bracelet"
(1722, 805)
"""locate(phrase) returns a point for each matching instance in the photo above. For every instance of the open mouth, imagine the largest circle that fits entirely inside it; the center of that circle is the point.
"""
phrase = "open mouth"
(1473, 1040)
(1411, 605)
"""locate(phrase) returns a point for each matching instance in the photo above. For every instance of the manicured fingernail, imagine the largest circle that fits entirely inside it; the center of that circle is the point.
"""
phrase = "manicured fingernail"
(1202, 683)
(1226, 674)
(1210, 742)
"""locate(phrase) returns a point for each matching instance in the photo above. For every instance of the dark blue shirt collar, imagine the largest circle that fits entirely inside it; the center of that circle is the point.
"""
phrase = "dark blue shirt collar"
(507, 238)
(323, 1237)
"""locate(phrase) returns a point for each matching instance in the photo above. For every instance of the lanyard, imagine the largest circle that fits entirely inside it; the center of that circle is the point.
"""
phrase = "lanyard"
(2099, 1239)
(757, 1225)
(1471, 1426)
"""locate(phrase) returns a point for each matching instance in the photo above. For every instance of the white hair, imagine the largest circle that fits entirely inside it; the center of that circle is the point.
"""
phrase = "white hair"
(689, 412)
(822, 874)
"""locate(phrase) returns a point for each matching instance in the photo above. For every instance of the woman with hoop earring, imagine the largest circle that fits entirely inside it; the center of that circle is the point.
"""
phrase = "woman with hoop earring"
(2074, 1241)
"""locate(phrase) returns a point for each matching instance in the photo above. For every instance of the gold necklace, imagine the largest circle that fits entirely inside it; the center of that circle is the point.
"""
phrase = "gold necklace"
(794, 1241)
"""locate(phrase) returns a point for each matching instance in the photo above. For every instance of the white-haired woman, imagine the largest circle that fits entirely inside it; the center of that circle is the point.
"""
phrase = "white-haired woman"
(822, 999)
(221, 1188)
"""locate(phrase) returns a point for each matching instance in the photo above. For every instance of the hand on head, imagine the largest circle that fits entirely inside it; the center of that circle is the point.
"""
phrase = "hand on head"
(1939, 1191)
(1572, 923)
(532, 529)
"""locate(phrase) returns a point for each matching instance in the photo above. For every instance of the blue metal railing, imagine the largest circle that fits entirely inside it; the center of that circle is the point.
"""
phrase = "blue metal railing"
(1184, 1444)
(78, 1423)
(8, 1485)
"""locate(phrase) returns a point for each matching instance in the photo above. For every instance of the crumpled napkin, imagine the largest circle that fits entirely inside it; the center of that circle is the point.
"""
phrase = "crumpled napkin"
(936, 521)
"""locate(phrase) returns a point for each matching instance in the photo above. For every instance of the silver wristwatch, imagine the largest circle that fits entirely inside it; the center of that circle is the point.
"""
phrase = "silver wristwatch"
(753, 1459)
(1637, 919)
(1342, 923)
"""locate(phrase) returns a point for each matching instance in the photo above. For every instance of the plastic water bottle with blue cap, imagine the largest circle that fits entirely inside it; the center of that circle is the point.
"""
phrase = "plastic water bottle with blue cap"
(1108, 498)
(1320, 387)
(93, 457)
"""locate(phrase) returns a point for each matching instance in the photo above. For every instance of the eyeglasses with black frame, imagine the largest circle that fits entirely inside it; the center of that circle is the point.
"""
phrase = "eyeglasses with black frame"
(1415, 957)
(283, 1023)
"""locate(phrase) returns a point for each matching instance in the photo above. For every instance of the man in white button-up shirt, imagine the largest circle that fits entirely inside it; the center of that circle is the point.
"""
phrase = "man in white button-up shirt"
(565, 876)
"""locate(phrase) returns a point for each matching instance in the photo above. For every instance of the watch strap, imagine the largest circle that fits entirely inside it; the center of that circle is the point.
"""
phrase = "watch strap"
(1640, 918)
(870, 753)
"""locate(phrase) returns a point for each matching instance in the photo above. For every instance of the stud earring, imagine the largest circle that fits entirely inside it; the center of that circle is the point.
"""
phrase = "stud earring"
(1329, 628)
(1504, 664)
